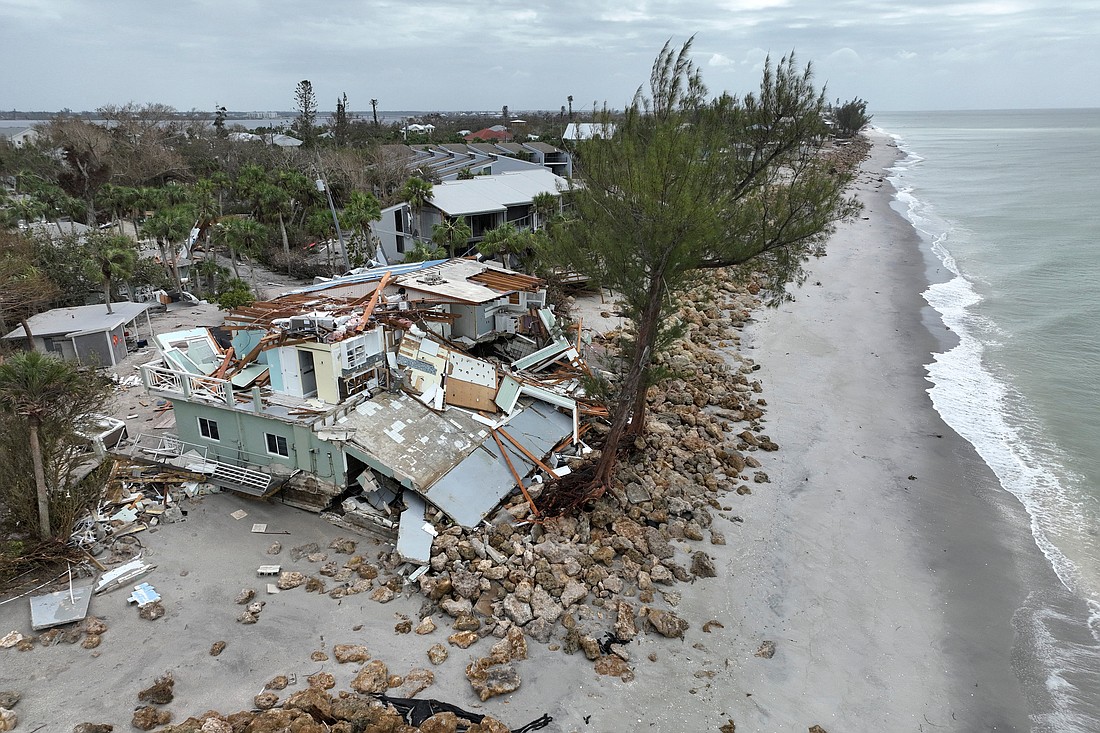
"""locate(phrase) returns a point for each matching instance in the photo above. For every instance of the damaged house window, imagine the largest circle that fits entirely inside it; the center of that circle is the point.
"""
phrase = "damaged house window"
(277, 445)
(208, 429)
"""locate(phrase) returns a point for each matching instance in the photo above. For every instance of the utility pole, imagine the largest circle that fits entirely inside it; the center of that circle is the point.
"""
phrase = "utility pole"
(322, 186)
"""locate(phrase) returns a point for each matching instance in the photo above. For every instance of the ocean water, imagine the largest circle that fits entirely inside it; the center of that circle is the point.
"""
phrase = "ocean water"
(1009, 202)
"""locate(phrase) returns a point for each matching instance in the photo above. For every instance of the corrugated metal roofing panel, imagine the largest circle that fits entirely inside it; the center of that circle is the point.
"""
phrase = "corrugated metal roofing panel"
(485, 194)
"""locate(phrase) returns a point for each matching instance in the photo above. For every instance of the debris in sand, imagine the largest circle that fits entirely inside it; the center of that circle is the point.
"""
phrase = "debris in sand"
(265, 700)
(613, 665)
(8, 719)
(489, 679)
(290, 579)
(217, 648)
(149, 717)
(766, 650)
(666, 623)
(160, 692)
(437, 654)
(374, 677)
(702, 565)
(10, 639)
(151, 611)
(416, 681)
(324, 680)
(712, 624)
(279, 682)
(345, 653)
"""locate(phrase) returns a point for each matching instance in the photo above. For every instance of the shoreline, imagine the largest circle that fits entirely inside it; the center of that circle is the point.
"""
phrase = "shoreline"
(944, 575)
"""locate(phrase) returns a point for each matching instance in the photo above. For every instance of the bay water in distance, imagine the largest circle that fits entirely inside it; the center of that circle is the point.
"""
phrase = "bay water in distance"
(1009, 203)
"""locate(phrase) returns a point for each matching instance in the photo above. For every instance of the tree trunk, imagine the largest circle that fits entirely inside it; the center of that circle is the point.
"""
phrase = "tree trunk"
(107, 293)
(27, 333)
(40, 481)
(286, 242)
(633, 388)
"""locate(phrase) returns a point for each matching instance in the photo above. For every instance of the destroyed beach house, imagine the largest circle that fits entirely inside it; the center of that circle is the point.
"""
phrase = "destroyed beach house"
(361, 395)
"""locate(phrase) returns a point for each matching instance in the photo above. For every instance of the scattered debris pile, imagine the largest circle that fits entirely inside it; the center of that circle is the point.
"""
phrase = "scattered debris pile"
(610, 570)
(136, 496)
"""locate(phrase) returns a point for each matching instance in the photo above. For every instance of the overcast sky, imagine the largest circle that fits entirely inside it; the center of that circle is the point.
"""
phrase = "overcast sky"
(480, 55)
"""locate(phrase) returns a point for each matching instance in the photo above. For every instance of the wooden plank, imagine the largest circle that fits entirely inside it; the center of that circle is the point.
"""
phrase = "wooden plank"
(220, 373)
(469, 395)
(373, 302)
(530, 456)
(516, 476)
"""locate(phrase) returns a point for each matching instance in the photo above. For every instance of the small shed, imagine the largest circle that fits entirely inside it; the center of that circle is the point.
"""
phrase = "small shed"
(86, 333)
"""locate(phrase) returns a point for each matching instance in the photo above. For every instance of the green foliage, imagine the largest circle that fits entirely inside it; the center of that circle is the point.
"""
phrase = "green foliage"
(689, 182)
(235, 294)
(452, 235)
(362, 209)
(417, 192)
(107, 258)
(305, 101)
(423, 251)
(25, 288)
(42, 398)
(850, 117)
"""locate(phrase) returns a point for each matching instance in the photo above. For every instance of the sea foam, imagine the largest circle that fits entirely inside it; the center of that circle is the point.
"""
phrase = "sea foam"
(995, 419)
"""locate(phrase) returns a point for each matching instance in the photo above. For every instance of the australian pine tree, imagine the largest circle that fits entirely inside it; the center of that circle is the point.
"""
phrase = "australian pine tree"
(305, 101)
(685, 182)
(340, 122)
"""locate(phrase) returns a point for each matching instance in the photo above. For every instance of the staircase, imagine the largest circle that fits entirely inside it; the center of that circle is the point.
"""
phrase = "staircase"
(244, 480)
(172, 451)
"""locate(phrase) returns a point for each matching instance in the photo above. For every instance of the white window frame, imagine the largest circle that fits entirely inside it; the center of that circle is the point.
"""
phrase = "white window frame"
(205, 424)
(279, 441)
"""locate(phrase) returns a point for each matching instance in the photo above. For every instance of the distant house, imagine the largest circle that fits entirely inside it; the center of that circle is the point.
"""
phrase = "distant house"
(19, 136)
(486, 202)
(588, 131)
(283, 141)
(449, 161)
(87, 333)
(489, 134)
(417, 129)
(58, 229)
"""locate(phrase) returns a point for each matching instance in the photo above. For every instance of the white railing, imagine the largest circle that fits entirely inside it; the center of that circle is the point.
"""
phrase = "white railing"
(191, 387)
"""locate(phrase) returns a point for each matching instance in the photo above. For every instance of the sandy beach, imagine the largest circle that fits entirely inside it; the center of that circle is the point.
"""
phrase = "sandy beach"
(882, 559)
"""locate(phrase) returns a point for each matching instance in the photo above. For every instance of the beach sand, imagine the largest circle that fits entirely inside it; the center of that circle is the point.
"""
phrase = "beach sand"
(882, 559)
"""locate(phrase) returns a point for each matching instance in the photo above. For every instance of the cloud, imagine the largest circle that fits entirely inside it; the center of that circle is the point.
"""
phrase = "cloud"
(844, 56)
(718, 59)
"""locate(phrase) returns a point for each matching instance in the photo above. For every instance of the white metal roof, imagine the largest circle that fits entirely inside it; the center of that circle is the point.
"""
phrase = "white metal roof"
(485, 194)
(81, 319)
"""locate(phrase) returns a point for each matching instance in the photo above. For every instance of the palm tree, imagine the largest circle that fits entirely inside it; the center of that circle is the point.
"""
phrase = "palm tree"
(244, 238)
(545, 205)
(168, 225)
(34, 386)
(418, 193)
(423, 251)
(110, 257)
(362, 209)
(452, 234)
